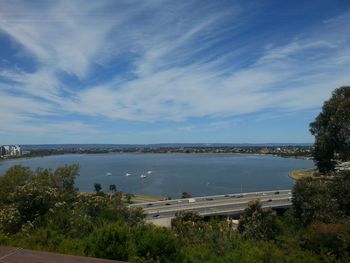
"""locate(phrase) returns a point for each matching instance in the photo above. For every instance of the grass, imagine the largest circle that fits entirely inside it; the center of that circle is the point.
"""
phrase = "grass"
(135, 198)
(303, 173)
(142, 198)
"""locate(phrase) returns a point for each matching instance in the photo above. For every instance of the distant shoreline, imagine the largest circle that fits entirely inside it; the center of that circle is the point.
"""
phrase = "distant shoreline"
(298, 152)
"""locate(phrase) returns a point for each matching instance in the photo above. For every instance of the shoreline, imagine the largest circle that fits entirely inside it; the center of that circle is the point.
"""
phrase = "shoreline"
(218, 153)
(302, 173)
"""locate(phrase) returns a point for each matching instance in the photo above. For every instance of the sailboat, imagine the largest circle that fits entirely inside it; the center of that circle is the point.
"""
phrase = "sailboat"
(142, 176)
(108, 174)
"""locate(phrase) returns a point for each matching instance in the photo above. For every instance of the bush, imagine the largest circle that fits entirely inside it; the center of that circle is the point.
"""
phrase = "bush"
(110, 241)
(329, 238)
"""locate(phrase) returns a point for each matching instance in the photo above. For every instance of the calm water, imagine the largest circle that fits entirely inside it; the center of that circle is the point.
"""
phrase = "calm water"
(172, 174)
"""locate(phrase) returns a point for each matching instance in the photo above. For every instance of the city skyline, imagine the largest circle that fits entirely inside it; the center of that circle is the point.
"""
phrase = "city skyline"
(132, 72)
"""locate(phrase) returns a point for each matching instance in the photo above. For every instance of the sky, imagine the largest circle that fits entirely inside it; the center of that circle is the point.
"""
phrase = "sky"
(161, 71)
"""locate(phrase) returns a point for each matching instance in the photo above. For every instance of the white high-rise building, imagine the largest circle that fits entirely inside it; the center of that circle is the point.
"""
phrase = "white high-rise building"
(2, 151)
(10, 150)
(7, 150)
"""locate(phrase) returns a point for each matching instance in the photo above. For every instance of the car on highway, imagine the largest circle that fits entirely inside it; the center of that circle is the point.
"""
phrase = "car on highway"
(269, 200)
(156, 216)
(209, 199)
(167, 204)
(277, 193)
(148, 205)
(227, 196)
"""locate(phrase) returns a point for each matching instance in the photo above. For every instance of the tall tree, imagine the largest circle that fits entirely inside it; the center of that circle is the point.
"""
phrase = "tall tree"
(331, 129)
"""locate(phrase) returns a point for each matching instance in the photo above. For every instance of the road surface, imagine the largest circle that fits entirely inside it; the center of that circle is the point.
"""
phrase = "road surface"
(215, 205)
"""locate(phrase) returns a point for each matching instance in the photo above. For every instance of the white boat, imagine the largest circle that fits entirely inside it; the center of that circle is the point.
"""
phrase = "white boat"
(108, 174)
(127, 174)
(142, 176)
(149, 172)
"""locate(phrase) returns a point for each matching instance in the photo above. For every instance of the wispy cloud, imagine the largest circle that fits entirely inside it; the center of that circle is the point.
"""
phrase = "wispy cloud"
(162, 61)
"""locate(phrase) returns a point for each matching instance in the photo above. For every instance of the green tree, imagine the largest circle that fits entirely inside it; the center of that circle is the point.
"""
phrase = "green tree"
(15, 177)
(186, 216)
(331, 129)
(64, 178)
(111, 242)
(340, 188)
(186, 195)
(154, 244)
(98, 188)
(188, 225)
(29, 196)
(135, 216)
(313, 201)
(113, 188)
(256, 223)
(334, 239)
(128, 197)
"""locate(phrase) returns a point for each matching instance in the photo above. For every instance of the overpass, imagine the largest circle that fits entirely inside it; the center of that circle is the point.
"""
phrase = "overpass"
(214, 205)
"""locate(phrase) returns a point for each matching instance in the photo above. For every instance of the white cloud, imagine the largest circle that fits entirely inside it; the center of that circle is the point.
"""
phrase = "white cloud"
(171, 72)
(62, 35)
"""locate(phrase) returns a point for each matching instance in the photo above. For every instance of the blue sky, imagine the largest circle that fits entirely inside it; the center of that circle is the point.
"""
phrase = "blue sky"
(168, 71)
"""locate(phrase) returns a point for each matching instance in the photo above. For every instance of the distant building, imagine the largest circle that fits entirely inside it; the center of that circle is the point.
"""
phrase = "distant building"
(7, 150)
(2, 151)
(10, 150)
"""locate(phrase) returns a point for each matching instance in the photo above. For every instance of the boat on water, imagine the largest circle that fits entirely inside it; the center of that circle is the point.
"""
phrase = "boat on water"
(127, 174)
(108, 174)
(149, 172)
(142, 176)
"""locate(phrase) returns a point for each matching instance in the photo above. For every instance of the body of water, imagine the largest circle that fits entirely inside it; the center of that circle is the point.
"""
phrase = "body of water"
(172, 174)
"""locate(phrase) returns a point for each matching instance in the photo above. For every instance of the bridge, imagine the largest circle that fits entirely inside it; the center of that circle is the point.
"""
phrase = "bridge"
(161, 212)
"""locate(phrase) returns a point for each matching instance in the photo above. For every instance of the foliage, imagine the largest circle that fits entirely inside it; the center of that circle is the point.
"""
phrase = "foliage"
(154, 244)
(28, 196)
(42, 210)
(113, 188)
(98, 188)
(331, 129)
(259, 224)
(340, 189)
(333, 239)
(322, 200)
(109, 242)
(16, 176)
(186, 195)
(185, 216)
(128, 197)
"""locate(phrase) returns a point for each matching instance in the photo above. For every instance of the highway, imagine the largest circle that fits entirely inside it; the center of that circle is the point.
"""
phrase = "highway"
(215, 205)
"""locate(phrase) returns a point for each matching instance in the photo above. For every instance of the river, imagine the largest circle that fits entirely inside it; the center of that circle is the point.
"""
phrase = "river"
(171, 174)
